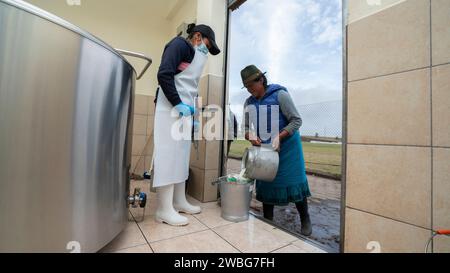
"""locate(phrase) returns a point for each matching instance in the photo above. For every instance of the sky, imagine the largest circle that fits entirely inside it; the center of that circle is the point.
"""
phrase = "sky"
(299, 44)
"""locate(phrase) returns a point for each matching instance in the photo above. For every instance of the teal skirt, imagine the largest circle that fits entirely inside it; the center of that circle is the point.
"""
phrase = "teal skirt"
(290, 184)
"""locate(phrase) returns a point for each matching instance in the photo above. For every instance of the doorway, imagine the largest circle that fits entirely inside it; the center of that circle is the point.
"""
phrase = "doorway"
(299, 43)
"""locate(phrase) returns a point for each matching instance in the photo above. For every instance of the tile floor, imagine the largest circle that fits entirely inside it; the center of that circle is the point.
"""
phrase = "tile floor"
(206, 233)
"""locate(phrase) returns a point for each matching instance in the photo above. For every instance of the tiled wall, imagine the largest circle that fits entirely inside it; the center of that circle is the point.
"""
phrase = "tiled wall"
(142, 147)
(205, 162)
(398, 154)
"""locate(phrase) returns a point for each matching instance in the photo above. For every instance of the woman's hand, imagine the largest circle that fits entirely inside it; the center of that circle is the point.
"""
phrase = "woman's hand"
(277, 140)
(254, 140)
(185, 110)
(276, 143)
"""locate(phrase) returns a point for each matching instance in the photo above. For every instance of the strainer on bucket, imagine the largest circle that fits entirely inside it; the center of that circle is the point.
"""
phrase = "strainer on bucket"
(236, 195)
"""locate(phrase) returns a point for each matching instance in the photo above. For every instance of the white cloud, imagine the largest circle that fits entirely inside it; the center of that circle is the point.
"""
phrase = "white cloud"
(298, 42)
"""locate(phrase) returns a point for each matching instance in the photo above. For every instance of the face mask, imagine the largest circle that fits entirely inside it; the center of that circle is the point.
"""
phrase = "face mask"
(202, 48)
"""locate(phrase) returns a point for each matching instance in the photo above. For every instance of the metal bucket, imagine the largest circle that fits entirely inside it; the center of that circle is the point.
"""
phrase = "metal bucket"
(235, 198)
(260, 163)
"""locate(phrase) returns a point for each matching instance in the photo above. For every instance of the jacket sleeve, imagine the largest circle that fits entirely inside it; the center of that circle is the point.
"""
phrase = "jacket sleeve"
(174, 53)
(289, 110)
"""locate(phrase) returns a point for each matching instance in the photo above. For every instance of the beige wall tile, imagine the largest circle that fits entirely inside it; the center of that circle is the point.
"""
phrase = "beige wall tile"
(390, 181)
(441, 31)
(441, 188)
(148, 147)
(393, 109)
(207, 156)
(441, 105)
(358, 9)
(139, 165)
(150, 125)
(141, 104)
(210, 193)
(362, 228)
(198, 155)
(138, 144)
(140, 125)
(215, 92)
(212, 123)
(203, 89)
(212, 155)
(148, 162)
(441, 244)
(134, 161)
(199, 185)
(211, 89)
(393, 40)
(151, 105)
(196, 183)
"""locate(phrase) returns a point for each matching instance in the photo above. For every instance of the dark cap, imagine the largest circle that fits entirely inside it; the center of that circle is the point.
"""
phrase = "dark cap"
(207, 32)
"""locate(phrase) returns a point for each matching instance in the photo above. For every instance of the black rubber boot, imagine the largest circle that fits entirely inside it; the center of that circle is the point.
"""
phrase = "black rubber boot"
(302, 208)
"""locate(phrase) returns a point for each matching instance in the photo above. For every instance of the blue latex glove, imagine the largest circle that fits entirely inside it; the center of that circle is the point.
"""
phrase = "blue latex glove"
(185, 110)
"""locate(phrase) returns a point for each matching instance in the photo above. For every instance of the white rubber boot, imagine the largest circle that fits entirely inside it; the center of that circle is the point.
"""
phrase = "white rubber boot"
(165, 213)
(180, 203)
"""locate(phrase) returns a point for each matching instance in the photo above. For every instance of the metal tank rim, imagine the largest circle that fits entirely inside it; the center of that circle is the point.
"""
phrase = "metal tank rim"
(27, 7)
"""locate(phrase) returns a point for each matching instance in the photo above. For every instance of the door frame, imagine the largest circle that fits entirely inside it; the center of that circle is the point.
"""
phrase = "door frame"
(234, 4)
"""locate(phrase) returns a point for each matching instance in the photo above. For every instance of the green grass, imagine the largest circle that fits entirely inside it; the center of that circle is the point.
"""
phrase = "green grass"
(319, 158)
(238, 147)
(323, 158)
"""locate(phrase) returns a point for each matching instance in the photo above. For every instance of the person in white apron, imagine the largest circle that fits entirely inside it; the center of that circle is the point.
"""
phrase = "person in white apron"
(174, 109)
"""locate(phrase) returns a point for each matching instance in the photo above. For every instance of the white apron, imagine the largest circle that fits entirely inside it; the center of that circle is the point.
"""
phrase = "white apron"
(172, 155)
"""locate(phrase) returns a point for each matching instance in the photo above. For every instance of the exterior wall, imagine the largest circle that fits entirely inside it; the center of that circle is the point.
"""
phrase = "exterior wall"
(398, 100)
(358, 9)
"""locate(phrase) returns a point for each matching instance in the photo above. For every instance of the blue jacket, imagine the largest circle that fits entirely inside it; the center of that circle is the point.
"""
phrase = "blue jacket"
(177, 51)
(270, 99)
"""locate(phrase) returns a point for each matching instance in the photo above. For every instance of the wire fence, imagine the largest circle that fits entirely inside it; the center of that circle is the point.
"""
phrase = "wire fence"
(322, 137)
(322, 120)
(321, 132)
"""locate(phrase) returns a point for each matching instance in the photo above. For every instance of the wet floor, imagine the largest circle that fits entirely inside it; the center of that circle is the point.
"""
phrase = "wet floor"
(324, 209)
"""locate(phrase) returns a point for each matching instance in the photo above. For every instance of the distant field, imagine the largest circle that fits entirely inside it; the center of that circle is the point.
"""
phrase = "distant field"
(238, 147)
(319, 158)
